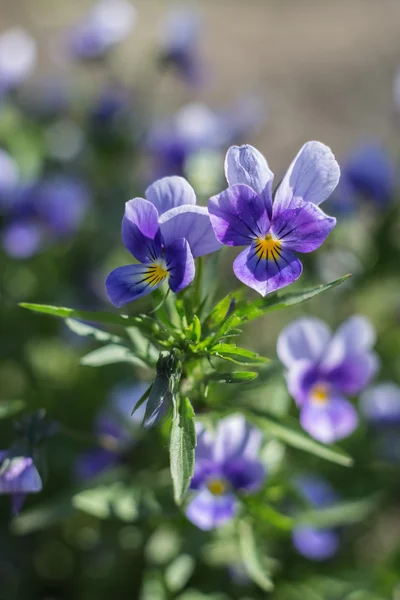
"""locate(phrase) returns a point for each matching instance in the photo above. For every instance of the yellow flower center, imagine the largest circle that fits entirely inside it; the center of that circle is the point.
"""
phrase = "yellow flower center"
(217, 487)
(155, 274)
(267, 248)
(320, 393)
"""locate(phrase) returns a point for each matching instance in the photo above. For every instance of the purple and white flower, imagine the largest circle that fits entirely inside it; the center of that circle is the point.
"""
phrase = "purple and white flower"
(165, 232)
(380, 404)
(323, 369)
(227, 464)
(245, 214)
(17, 58)
(312, 542)
(18, 477)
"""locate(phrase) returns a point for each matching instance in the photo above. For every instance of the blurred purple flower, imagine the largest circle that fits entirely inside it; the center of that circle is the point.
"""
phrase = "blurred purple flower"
(18, 477)
(114, 427)
(108, 23)
(226, 465)
(323, 369)
(42, 212)
(165, 233)
(244, 214)
(111, 103)
(368, 173)
(312, 542)
(17, 58)
(180, 44)
(9, 179)
(380, 404)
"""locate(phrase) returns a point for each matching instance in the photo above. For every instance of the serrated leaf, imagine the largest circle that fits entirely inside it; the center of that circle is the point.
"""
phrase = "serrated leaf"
(252, 560)
(181, 448)
(86, 330)
(111, 354)
(233, 377)
(8, 408)
(238, 355)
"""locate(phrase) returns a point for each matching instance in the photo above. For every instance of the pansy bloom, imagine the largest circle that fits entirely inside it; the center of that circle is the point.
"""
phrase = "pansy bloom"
(380, 406)
(18, 477)
(323, 369)
(17, 58)
(165, 232)
(246, 215)
(226, 464)
(313, 542)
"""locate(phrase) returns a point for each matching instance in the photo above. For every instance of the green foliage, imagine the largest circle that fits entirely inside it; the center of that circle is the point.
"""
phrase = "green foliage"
(182, 445)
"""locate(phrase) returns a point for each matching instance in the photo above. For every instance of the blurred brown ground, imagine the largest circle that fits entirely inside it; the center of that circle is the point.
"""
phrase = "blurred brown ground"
(323, 67)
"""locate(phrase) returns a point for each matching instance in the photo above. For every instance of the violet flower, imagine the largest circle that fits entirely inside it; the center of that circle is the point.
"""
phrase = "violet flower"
(165, 233)
(380, 404)
(226, 464)
(18, 477)
(114, 427)
(244, 214)
(17, 58)
(312, 542)
(108, 23)
(323, 369)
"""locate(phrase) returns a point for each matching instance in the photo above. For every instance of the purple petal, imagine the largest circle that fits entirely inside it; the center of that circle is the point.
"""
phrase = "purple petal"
(354, 336)
(96, 461)
(244, 475)
(238, 216)
(303, 227)
(22, 240)
(193, 224)
(329, 422)
(301, 376)
(207, 511)
(381, 404)
(140, 230)
(305, 338)
(180, 265)
(312, 177)
(19, 475)
(316, 491)
(125, 284)
(235, 438)
(245, 164)
(354, 373)
(17, 500)
(204, 470)
(266, 276)
(205, 443)
(315, 544)
(170, 192)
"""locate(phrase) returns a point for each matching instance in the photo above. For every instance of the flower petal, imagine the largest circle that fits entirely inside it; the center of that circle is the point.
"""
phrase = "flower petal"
(312, 177)
(315, 490)
(238, 216)
(305, 338)
(169, 192)
(264, 275)
(19, 475)
(354, 373)
(207, 511)
(180, 265)
(381, 404)
(355, 336)
(315, 544)
(245, 164)
(22, 239)
(329, 422)
(193, 224)
(94, 462)
(140, 230)
(128, 283)
(304, 227)
(301, 375)
(235, 438)
(244, 474)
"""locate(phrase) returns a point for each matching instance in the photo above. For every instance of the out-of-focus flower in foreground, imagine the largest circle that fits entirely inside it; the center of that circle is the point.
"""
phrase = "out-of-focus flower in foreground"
(322, 369)
(165, 233)
(380, 404)
(312, 542)
(245, 215)
(17, 58)
(227, 464)
(107, 24)
(114, 428)
(18, 477)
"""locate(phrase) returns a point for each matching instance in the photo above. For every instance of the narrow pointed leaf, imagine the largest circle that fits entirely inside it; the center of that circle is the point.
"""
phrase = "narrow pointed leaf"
(89, 331)
(182, 445)
(111, 354)
(233, 377)
(252, 559)
(238, 355)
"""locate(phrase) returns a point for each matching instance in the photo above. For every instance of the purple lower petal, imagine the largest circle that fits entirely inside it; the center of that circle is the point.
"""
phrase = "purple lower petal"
(140, 230)
(238, 216)
(329, 422)
(192, 223)
(316, 544)
(180, 265)
(207, 511)
(244, 475)
(125, 284)
(303, 227)
(267, 275)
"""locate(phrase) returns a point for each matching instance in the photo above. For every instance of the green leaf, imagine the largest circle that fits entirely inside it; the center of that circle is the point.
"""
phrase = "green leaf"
(223, 309)
(178, 573)
(233, 377)
(87, 330)
(196, 329)
(342, 513)
(182, 445)
(252, 560)
(106, 501)
(8, 408)
(142, 399)
(111, 354)
(248, 311)
(238, 355)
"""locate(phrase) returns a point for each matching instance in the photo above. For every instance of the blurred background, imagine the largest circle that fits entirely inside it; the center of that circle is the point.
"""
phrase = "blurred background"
(97, 100)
